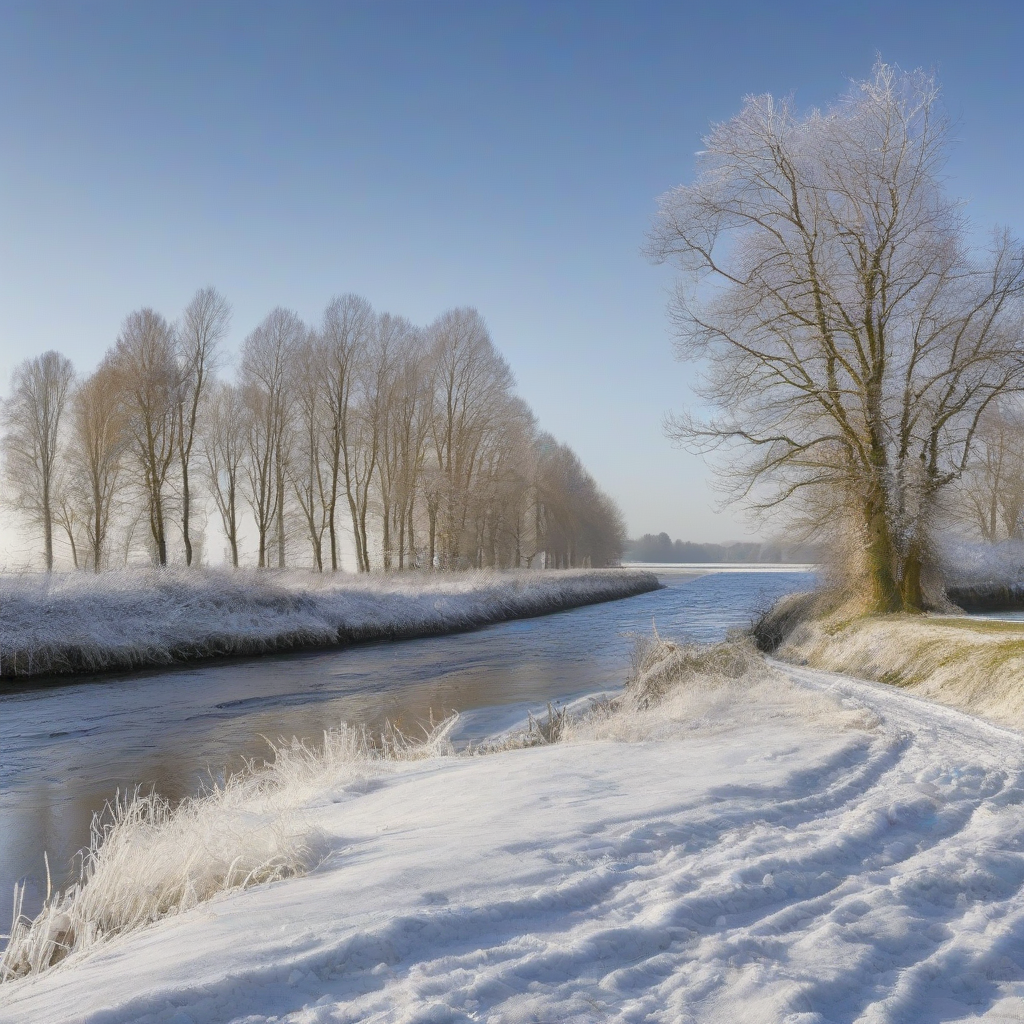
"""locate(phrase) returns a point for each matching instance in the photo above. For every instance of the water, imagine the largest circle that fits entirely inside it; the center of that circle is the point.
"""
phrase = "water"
(65, 751)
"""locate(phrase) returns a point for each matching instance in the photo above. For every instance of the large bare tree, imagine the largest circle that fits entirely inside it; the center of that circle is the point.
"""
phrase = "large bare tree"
(202, 327)
(32, 416)
(851, 340)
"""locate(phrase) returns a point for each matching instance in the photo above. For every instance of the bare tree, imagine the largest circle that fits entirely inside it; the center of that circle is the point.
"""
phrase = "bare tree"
(366, 430)
(266, 358)
(310, 465)
(851, 341)
(97, 447)
(990, 498)
(471, 382)
(408, 421)
(203, 325)
(223, 440)
(347, 327)
(393, 406)
(146, 370)
(32, 419)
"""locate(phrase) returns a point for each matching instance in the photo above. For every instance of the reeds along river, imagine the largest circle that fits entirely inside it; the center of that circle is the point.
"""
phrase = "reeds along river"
(66, 750)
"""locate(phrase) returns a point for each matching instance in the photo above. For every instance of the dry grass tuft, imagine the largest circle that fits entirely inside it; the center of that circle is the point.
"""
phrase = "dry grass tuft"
(148, 859)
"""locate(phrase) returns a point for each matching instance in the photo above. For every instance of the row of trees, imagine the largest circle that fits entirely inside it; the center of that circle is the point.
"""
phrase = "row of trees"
(660, 547)
(364, 437)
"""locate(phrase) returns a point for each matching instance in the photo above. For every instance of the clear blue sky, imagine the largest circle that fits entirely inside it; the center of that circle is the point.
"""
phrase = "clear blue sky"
(506, 156)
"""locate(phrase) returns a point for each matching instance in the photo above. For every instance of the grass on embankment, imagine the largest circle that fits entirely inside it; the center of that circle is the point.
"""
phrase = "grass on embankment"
(62, 623)
(974, 665)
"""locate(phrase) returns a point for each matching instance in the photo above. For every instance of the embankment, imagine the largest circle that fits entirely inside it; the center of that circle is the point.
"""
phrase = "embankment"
(62, 624)
(971, 664)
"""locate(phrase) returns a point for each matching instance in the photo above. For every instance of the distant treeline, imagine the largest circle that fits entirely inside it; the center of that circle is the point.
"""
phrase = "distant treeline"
(661, 548)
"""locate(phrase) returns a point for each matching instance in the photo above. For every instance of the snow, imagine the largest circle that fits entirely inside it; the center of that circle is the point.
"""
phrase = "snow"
(774, 844)
(968, 563)
(66, 622)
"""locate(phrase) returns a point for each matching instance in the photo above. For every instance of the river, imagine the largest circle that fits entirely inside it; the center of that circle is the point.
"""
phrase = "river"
(66, 750)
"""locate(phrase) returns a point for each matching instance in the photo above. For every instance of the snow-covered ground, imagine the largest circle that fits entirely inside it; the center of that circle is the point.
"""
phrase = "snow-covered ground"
(65, 622)
(785, 845)
(974, 665)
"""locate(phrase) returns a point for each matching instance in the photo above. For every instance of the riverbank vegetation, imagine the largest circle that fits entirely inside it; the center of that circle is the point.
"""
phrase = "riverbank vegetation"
(975, 665)
(149, 860)
(56, 623)
(363, 441)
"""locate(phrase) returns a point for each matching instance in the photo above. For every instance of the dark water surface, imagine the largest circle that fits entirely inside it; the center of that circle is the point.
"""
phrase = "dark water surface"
(66, 750)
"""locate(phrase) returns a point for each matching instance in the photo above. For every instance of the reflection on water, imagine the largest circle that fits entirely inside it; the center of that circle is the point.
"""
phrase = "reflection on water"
(65, 751)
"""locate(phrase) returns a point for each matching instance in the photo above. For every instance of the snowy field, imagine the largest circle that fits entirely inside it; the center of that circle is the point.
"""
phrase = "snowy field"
(763, 844)
(81, 622)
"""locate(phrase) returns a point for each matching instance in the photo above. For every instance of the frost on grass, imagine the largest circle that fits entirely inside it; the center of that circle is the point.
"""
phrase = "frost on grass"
(81, 622)
(676, 690)
(974, 665)
(149, 859)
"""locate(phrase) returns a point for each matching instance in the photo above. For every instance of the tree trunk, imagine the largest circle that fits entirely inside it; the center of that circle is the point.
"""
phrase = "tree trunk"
(913, 597)
(280, 517)
(881, 557)
(186, 504)
(432, 515)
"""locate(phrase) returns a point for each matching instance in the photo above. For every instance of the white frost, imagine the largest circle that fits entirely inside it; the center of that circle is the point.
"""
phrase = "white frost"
(794, 847)
(60, 622)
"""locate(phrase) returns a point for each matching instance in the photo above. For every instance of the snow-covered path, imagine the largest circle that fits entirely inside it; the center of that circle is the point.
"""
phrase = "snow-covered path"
(783, 860)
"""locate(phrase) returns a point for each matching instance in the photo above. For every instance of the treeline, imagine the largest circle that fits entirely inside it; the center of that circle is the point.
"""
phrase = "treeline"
(661, 548)
(363, 437)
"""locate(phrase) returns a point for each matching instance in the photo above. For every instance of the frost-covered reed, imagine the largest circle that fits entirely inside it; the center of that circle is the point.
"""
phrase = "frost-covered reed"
(80, 622)
(149, 859)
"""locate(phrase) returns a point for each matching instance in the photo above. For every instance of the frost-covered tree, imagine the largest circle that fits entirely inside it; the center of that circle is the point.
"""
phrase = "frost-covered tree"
(224, 432)
(471, 385)
(265, 376)
(97, 445)
(32, 441)
(851, 338)
(145, 369)
(202, 327)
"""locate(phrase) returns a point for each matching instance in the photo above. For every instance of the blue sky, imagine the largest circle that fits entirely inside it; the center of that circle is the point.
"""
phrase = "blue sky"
(506, 156)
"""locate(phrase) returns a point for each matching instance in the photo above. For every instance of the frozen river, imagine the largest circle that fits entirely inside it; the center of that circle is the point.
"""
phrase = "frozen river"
(66, 750)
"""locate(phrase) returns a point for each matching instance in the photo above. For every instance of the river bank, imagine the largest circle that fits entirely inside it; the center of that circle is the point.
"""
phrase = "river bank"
(65, 624)
(972, 664)
(791, 843)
